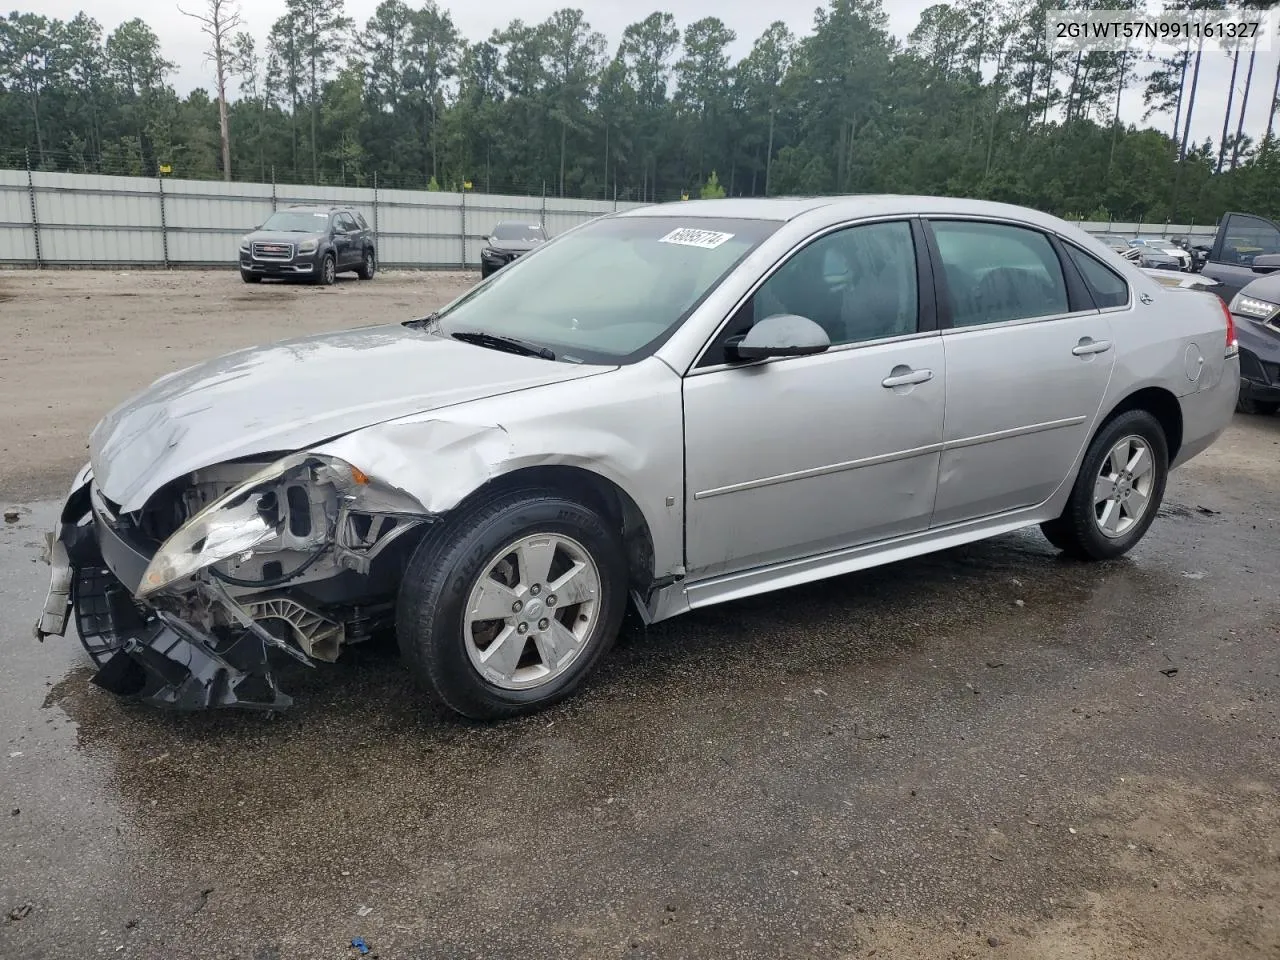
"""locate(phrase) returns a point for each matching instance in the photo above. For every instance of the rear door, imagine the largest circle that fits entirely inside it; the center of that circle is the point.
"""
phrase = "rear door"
(1029, 357)
(1241, 237)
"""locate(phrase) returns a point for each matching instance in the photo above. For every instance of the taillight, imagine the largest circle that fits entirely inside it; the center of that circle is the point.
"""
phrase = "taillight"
(1233, 345)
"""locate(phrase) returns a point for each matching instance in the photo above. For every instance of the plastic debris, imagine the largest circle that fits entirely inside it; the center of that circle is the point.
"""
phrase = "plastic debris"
(359, 944)
(364, 911)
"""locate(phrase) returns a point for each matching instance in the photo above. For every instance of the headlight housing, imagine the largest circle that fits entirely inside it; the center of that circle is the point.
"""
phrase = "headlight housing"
(307, 246)
(1253, 308)
(244, 246)
(236, 522)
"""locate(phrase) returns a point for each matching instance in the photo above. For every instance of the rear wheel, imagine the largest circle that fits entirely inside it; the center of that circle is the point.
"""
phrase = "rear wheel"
(509, 607)
(1265, 408)
(1118, 491)
(368, 266)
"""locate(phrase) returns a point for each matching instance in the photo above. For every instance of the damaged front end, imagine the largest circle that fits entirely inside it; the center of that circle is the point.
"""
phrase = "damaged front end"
(184, 602)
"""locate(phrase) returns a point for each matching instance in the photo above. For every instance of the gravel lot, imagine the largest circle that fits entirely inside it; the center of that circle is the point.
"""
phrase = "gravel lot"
(990, 752)
(102, 336)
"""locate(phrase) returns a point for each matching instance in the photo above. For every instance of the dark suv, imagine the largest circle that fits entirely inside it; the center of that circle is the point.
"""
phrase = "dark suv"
(309, 241)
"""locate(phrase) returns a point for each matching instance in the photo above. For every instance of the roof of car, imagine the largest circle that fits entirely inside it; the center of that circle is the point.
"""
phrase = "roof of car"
(327, 207)
(837, 207)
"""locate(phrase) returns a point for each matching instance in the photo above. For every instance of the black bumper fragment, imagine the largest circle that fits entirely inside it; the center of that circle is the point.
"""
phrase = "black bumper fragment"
(156, 657)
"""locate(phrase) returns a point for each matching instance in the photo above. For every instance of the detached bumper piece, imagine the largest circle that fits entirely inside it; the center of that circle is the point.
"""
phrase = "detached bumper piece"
(164, 661)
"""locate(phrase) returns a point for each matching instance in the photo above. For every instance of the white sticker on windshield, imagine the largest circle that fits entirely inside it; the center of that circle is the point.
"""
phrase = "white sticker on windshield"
(689, 237)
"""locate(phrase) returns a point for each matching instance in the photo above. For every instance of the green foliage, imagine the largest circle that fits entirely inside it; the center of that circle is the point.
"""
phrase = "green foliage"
(433, 185)
(974, 104)
(711, 190)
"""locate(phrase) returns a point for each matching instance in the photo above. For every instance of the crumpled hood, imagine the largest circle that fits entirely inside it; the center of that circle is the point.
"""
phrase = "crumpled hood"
(296, 394)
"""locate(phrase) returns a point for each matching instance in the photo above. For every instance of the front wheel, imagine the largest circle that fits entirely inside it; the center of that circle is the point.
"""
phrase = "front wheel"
(249, 276)
(1118, 491)
(328, 271)
(513, 603)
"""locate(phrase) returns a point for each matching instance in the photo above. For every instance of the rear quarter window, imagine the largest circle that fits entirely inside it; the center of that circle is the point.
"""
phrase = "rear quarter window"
(1106, 286)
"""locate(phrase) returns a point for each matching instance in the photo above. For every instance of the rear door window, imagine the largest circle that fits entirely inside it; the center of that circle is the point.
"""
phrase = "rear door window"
(997, 272)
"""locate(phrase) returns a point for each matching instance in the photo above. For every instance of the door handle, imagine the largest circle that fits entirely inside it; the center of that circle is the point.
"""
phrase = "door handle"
(906, 379)
(1086, 347)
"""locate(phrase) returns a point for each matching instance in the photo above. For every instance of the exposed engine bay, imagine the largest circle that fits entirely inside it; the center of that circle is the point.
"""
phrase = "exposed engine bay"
(180, 602)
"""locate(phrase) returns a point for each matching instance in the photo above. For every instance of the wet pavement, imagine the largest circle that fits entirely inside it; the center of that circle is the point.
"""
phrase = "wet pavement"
(987, 752)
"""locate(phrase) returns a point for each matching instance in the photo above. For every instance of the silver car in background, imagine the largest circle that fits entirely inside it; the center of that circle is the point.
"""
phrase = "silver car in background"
(669, 407)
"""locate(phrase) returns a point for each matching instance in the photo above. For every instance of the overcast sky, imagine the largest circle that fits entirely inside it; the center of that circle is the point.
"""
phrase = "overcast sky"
(184, 44)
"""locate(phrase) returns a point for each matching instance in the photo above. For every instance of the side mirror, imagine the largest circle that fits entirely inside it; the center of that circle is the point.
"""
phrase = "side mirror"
(1266, 263)
(781, 335)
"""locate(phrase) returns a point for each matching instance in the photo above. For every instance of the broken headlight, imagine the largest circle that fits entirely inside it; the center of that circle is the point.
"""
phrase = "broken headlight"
(237, 522)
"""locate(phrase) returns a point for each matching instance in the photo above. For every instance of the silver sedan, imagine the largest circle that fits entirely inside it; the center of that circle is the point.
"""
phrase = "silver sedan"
(666, 408)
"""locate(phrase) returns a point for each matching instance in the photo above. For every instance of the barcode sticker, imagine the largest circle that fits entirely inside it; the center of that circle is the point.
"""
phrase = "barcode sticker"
(689, 237)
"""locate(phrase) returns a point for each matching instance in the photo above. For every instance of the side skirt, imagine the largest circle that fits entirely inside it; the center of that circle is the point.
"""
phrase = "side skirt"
(685, 596)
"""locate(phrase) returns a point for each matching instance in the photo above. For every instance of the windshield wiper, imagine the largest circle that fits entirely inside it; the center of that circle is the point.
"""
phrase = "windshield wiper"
(509, 344)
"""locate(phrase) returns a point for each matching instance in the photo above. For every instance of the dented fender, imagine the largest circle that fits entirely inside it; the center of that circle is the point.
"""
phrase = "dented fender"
(630, 435)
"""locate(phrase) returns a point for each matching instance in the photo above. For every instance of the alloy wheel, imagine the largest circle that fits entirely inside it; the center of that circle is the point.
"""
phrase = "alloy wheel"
(530, 613)
(1122, 490)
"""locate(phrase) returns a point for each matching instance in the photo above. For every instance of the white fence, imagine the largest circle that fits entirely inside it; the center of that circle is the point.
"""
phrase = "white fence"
(82, 220)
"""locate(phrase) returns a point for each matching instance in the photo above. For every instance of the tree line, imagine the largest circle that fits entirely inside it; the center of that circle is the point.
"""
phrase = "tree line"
(973, 103)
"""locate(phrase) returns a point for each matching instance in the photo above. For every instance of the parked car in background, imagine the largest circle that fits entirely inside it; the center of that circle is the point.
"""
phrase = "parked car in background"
(1257, 306)
(510, 239)
(1114, 240)
(311, 242)
(671, 407)
(1244, 248)
(1151, 257)
(1165, 246)
(1195, 247)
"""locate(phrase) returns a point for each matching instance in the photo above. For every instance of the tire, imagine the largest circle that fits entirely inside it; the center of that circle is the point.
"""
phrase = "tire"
(1079, 532)
(1263, 408)
(249, 277)
(444, 649)
(328, 274)
(368, 266)
(484, 272)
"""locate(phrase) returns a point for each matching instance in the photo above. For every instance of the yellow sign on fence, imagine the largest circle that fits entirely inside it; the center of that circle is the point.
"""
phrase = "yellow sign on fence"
(165, 168)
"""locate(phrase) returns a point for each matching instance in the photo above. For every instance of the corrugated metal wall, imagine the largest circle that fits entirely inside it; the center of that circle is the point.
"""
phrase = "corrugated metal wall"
(71, 219)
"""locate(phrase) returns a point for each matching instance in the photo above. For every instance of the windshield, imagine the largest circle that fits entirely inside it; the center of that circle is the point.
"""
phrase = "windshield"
(513, 230)
(296, 221)
(610, 291)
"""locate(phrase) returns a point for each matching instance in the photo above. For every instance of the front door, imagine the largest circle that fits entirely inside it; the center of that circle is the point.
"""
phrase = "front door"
(1028, 363)
(344, 234)
(797, 456)
(1241, 238)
